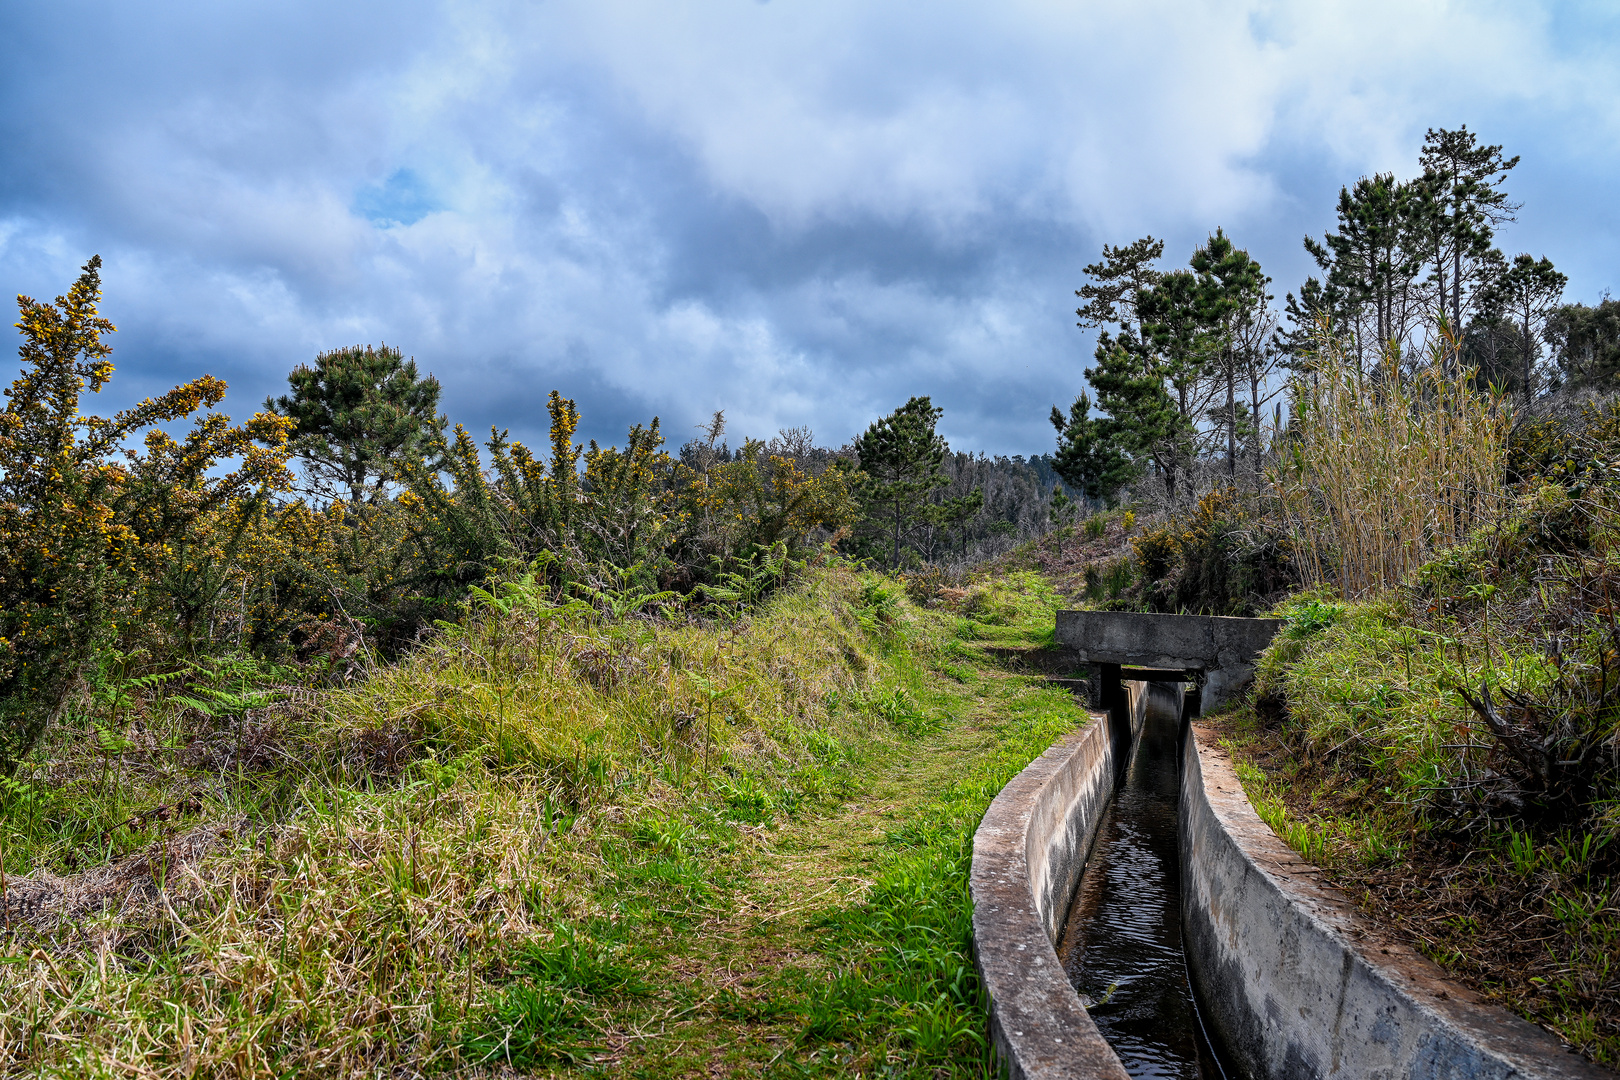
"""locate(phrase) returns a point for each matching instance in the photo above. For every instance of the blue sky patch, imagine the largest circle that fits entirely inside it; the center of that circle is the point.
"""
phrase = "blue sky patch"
(403, 199)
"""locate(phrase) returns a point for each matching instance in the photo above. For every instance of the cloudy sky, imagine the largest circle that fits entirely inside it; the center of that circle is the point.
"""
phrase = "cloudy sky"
(800, 211)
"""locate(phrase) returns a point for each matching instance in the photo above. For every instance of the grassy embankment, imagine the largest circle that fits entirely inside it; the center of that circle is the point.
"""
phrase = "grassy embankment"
(547, 843)
(1493, 844)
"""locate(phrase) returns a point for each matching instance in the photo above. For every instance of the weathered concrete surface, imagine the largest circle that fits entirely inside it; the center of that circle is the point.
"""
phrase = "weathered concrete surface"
(1297, 984)
(1027, 857)
(1222, 649)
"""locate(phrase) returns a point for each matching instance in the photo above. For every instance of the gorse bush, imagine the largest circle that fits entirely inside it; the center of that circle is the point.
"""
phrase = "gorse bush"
(1220, 558)
(101, 543)
(635, 516)
(192, 546)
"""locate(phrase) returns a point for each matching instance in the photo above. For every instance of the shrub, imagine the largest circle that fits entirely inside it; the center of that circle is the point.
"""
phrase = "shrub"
(1156, 553)
(100, 543)
(1217, 560)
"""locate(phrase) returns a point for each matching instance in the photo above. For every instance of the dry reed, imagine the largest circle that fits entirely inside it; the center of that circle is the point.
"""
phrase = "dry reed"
(1379, 470)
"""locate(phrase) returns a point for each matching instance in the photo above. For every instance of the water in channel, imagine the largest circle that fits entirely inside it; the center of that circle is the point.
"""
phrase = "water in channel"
(1121, 943)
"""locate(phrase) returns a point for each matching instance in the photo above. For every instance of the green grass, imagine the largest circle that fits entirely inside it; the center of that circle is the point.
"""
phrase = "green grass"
(1527, 918)
(553, 844)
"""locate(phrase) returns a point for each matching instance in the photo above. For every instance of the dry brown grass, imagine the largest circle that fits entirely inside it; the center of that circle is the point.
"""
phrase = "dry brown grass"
(440, 819)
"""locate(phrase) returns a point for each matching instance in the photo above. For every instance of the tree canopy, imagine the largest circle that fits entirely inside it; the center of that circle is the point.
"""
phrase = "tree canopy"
(901, 460)
(361, 414)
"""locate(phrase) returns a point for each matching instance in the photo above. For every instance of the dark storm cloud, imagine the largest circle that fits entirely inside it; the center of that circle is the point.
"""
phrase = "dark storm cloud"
(802, 213)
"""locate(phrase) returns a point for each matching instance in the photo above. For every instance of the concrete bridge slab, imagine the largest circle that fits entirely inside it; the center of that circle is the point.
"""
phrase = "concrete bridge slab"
(1215, 651)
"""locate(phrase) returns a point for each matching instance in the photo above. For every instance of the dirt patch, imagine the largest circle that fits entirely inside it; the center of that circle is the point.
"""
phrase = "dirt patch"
(1064, 556)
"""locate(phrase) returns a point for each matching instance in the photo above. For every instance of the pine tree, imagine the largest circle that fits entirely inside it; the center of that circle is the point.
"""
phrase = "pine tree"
(1113, 296)
(1528, 292)
(901, 460)
(1308, 315)
(1146, 378)
(1143, 427)
(363, 415)
(1463, 204)
(1231, 290)
(950, 514)
(1373, 261)
(1092, 455)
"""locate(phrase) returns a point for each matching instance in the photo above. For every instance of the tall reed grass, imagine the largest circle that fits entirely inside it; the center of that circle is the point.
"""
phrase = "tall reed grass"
(1378, 470)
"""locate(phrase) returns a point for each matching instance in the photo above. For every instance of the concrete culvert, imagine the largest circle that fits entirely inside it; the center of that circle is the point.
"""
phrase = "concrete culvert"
(1280, 971)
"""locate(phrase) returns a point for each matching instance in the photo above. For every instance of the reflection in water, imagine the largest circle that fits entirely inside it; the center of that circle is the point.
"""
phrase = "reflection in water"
(1121, 945)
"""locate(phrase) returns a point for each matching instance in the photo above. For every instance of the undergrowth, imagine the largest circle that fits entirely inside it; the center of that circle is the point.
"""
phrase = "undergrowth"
(494, 854)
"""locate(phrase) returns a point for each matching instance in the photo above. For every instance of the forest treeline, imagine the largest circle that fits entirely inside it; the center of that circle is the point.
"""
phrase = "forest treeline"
(1371, 420)
(348, 517)
(1412, 462)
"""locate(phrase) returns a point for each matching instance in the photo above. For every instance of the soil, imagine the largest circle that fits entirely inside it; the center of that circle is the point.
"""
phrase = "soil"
(1063, 559)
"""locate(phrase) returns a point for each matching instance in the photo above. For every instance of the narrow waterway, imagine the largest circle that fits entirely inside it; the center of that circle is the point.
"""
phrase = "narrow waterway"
(1121, 943)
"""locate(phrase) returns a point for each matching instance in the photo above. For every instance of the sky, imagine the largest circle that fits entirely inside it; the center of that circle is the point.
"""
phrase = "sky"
(802, 212)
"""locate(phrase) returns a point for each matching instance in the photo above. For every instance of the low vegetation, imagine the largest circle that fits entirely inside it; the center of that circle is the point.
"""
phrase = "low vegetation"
(517, 848)
(1434, 510)
(340, 742)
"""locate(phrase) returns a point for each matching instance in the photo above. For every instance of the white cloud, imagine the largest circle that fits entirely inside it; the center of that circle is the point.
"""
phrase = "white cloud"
(1095, 112)
(801, 211)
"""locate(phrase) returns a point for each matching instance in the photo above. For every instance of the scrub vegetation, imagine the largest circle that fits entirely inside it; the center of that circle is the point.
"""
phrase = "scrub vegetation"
(339, 742)
(1449, 745)
(1448, 749)
(434, 757)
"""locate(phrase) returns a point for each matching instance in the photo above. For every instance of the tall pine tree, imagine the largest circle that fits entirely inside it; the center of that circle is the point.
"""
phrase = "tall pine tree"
(1463, 205)
(1528, 292)
(1231, 291)
(901, 459)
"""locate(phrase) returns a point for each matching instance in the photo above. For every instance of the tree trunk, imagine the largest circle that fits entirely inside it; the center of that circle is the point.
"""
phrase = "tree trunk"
(1440, 278)
(896, 563)
(1528, 345)
(1231, 415)
(1254, 418)
(1456, 285)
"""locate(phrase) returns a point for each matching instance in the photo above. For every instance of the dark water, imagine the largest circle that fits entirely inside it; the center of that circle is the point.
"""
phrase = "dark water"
(1121, 944)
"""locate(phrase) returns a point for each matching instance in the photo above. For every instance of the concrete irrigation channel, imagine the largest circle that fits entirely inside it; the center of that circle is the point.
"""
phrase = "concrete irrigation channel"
(1205, 946)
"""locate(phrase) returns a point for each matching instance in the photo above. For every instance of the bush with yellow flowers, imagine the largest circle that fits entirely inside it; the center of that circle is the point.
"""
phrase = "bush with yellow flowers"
(99, 540)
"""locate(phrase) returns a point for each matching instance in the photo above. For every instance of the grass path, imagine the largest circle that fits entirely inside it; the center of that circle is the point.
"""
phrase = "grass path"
(838, 942)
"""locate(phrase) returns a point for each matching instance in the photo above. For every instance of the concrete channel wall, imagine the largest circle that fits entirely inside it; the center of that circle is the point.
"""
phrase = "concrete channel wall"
(1027, 857)
(1296, 983)
(1291, 980)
